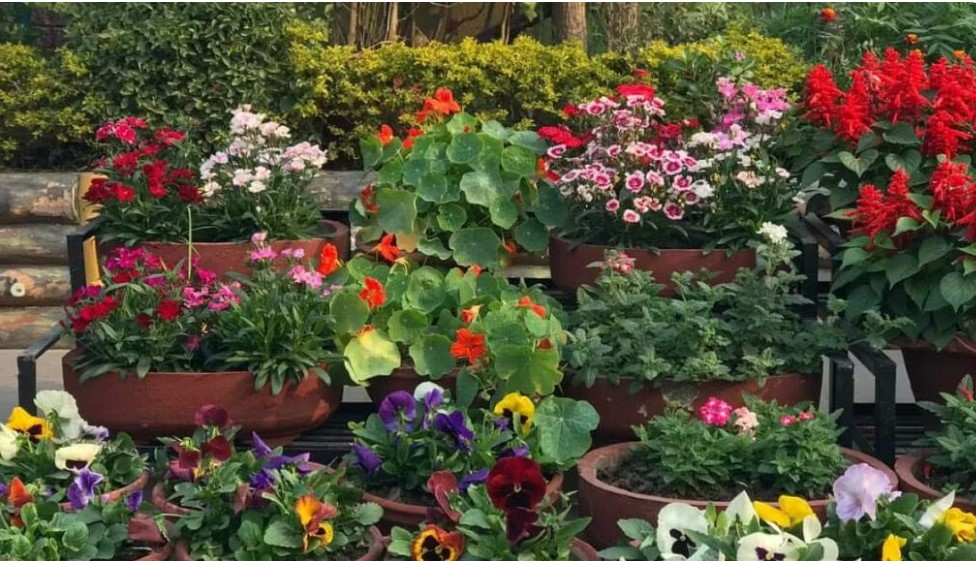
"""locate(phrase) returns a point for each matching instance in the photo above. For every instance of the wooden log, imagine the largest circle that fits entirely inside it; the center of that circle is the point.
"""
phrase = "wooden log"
(38, 197)
(30, 285)
(334, 190)
(34, 244)
(21, 327)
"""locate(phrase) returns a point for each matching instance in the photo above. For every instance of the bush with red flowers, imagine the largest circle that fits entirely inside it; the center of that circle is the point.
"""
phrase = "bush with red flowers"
(146, 194)
(507, 519)
(897, 113)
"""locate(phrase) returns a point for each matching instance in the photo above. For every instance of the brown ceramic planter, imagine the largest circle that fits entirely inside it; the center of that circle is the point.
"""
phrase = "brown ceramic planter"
(405, 379)
(620, 410)
(569, 266)
(597, 498)
(932, 372)
(163, 403)
(582, 551)
(117, 494)
(232, 257)
(519, 259)
(909, 468)
(410, 515)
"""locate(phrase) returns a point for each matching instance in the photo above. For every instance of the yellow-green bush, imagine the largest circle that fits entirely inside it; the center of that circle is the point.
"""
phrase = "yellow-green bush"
(41, 120)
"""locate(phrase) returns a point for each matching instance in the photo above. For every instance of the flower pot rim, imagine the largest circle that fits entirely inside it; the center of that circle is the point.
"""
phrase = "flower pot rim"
(583, 551)
(587, 469)
(337, 229)
(557, 236)
(905, 468)
(654, 384)
(116, 494)
(959, 344)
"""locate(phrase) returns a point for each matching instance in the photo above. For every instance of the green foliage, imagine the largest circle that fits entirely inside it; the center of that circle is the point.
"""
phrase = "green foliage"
(41, 120)
(955, 441)
(96, 532)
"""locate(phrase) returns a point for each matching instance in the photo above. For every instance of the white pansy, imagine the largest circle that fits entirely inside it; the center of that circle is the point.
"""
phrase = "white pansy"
(673, 524)
(741, 509)
(76, 456)
(425, 388)
(9, 443)
(62, 405)
(767, 547)
(937, 510)
(775, 233)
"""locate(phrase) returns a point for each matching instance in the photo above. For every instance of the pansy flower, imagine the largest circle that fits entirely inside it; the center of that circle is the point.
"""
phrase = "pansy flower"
(367, 458)
(857, 492)
(82, 489)
(312, 515)
(675, 521)
(76, 456)
(521, 525)
(516, 405)
(36, 427)
(9, 443)
(398, 411)
(17, 496)
(435, 544)
(455, 425)
(792, 511)
(211, 416)
(767, 547)
(516, 482)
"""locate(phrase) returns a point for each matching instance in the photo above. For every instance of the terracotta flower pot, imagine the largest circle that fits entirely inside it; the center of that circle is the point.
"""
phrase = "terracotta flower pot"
(583, 551)
(569, 266)
(405, 379)
(117, 494)
(932, 372)
(597, 498)
(232, 257)
(519, 259)
(909, 470)
(163, 403)
(409, 515)
(620, 410)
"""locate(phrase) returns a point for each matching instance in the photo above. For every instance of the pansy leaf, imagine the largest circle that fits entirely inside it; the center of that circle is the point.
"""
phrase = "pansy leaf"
(282, 534)
(368, 514)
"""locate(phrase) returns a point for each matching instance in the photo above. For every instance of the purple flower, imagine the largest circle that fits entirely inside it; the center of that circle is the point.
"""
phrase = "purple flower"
(82, 489)
(3, 490)
(857, 492)
(260, 447)
(134, 500)
(397, 407)
(517, 452)
(455, 425)
(432, 396)
(501, 423)
(367, 458)
(100, 434)
(262, 480)
(473, 478)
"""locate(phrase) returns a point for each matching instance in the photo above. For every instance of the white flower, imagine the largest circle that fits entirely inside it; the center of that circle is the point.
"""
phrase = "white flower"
(741, 509)
(256, 186)
(775, 233)
(702, 188)
(18, 290)
(782, 172)
(62, 405)
(209, 188)
(673, 523)
(242, 177)
(937, 510)
(76, 457)
(9, 444)
(767, 547)
(425, 388)
(262, 173)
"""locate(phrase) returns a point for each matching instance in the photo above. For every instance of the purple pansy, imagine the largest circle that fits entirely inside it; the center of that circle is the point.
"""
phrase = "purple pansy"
(367, 458)
(262, 480)
(134, 500)
(857, 492)
(3, 489)
(260, 447)
(264, 452)
(517, 452)
(398, 411)
(82, 489)
(455, 425)
(473, 478)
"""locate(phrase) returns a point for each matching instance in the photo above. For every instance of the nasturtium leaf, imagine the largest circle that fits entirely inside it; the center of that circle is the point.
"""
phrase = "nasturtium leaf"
(433, 247)
(481, 187)
(406, 325)
(461, 122)
(496, 130)
(464, 147)
(532, 235)
(503, 212)
(539, 375)
(414, 170)
(390, 173)
(426, 290)
(551, 208)
(436, 189)
(451, 217)
(349, 311)
(510, 358)
(564, 427)
(530, 140)
(957, 289)
(397, 210)
(519, 160)
(371, 150)
(475, 246)
(431, 356)
(370, 354)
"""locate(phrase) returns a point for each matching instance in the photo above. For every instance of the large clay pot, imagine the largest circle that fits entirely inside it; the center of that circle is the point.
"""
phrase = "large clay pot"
(932, 372)
(597, 498)
(909, 470)
(405, 379)
(569, 266)
(232, 257)
(117, 494)
(163, 403)
(417, 258)
(409, 515)
(620, 410)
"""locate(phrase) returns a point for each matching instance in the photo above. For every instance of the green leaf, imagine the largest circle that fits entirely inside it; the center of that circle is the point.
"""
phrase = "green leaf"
(431, 355)
(635, 528)
(434, 247)
(481, 187)
(503, 212)
(908, 161)
(539, 374)
(476, 518)
(390, 173)
(75, 536)
(368, 514)
(461, 121)
(812, 174)
(463, 148)
(564, 427)
(859, 165)
(426, 291)
(906, 224)
(369, 355)
(282, 534)
(451, 217)
(349, 311)
(532, 235)
(397, 210)
(406, 325)
(901, 133)
(250, 532)
(414, 170)
(475, 246)
(853, 256)
(434, 188)
(900, 267)
(520, 160)
(371, 150)
(957, 289)
(551, 208)
(932, 249)
(495, 129)
(530, 140)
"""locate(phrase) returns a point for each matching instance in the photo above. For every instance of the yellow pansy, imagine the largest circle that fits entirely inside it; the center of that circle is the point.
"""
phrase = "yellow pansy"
(891, 549)
(516, 403)
(22, 421)
(962, 524)
(311, 514)
(791, 511)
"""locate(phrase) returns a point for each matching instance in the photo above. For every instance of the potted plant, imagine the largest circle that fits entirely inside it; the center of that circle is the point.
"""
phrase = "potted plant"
(61, 457)
(669, 193)
(509, 517)
(398, 449)
(155, 344)
(455, 188)
(222, 499)
(946, 462)
(710, 457)
(630, 349)
(400, 325)
(257, 183)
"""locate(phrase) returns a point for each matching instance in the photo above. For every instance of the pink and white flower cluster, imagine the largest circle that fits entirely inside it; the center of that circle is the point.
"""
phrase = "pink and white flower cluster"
(264, 254)
(257, 157)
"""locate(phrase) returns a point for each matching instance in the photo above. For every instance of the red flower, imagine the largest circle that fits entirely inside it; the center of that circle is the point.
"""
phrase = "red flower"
(411, 135)
(942, 136)
(168, 310)
(123, 277)
(385, 135)
(433, 543)
(561, 135)
(123, 193)
(125, 164)
(442, 484)
(366, 196)
(854, 116)
(143, 321)
(545, 344)
(211, 416)
(911, 38)
(516, 483)
(167, 136)
(877, 212)
(542, 170)
(474, 270)
(468, 345)
(521, 525)
(98, 192)
(470, 314)
(187, 458)
(155, 174)
(526, 303)
(903, 82)
(828, 14)
(510, 247)
(644, 91)
(387, 249)
(821, 96)
(442, 102)
(953, 191)
(190, 194)
(217, 448)
(967, 393)
(328, 260)
(373, 293)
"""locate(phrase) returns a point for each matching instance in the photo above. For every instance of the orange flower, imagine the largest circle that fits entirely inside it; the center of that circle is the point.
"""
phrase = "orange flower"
(911, 38)
(373, 294)
(385, 135)
(545, 344)
(328, 260)
(527, 303)
(828, 14)
(510, 247)
(17, 493)
(442, 102)
(411, 134)
(469, 315)
(387, 249)
(468, 345)
(434, 543)
(475, 270)
(959, 54)
(543, 171)
(366, 196)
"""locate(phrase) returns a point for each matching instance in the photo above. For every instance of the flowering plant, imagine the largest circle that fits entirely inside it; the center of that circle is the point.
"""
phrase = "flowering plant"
(412, 436)
(506, 519)
(765, 448)
(898, 113)
(952, 466)
(257, 183)
(61, 458)
(258, 500)
(495, 335)
(146, 193)
(453, 187)
(630, 177)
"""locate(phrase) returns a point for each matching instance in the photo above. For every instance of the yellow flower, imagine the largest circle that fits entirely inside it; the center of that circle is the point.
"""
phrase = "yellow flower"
(791, 512)
(771, 514)
(311, 514)
(891, 550)
(22, 421)
(516, 403)
(962, 524)
(434, 543)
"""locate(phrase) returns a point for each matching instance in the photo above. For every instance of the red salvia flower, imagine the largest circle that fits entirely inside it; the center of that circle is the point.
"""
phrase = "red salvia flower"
(953, 191)
(905, 79)
(877, 212)
(468, 345)
(516, 483)
(854, 114)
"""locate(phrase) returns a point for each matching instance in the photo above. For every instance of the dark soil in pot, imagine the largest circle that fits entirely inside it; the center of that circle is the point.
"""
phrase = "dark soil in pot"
(932, 372)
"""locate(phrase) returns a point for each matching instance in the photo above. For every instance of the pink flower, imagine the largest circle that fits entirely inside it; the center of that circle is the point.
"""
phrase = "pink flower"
(264, 253)
(857, 492)
(193, 298)
(301, 275)
(787, 420)
(192, 343)
(635, 181)
(226, 296)
(673, 211)
(672, 167)
(613, 205)
(631, 216)
(691, 198)
(715, 412)
(745, 420)
(620, 262)
(726, 87)
(556, 151)
(682, 183)
(205, 276)
(289, 253)
(258, 238)
(613, 150)
(805, 416)
(654, 178)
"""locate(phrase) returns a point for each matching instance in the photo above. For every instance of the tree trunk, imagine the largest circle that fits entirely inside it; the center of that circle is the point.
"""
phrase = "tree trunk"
(569, 21)
(392, 22)
(352, 36)
(620, 21)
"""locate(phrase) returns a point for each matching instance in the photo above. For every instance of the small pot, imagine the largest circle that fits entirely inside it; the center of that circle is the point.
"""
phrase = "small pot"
(410, 515)
(164, 403)
(405, 379)
(596, 497)
(909, 467)
(117, 494)
(570, 266)
(932, 372)
(620, 410)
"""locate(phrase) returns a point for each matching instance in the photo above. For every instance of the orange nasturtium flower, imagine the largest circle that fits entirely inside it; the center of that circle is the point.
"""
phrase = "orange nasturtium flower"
(312, 514)
(442, 102)
(434, 543)
(527, 303)
(328, 260)
(411, 135)
(911, 38)
(469, 315)
(366, 196)
(474, 270)
(373, 293)
(17, 497)
(468, 345)
(387, 249)
(828, 14)
(385, 135)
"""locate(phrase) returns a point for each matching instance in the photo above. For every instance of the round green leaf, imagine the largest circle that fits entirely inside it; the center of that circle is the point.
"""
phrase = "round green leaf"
(414, 170)
(369, 355)
(451, 217)
(371, 150)
(475, 246)
(496, 130)
(435, 188)
(530, 140)
(551, 208)
(426, 290)
(431, 355)
(564, 427)
(463, 148)
(503, 213)
(406, 325)
(517, 159)
(390, 173)
(481, 187)
(932, 249)
(397, 210)
(349, 311)
(434, 247)
(461, 121)
(532, 235)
